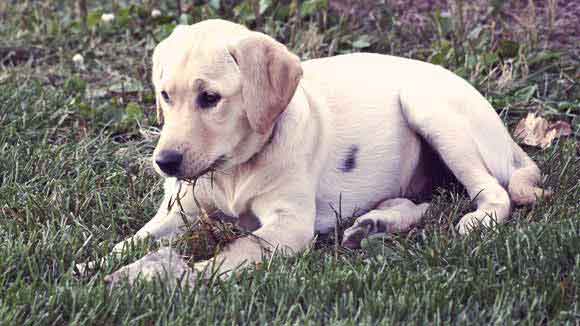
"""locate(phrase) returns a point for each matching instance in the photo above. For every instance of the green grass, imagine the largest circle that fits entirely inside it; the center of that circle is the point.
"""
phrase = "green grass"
(75, 179)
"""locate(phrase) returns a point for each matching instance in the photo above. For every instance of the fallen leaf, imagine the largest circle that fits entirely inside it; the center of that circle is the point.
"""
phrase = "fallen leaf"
(533, 130)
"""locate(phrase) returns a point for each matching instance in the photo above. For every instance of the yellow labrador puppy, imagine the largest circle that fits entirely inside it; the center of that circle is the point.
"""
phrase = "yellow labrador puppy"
(288, 139)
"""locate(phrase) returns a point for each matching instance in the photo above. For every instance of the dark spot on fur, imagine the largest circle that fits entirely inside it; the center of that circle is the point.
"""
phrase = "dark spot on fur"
(349, 162)
(381, 227)
(249, 222)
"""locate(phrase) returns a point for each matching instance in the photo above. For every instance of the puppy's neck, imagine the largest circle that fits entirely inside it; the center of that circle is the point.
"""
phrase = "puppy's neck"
(265, 145)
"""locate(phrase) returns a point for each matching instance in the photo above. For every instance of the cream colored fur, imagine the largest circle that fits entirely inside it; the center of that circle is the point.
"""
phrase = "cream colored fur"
(292, 141)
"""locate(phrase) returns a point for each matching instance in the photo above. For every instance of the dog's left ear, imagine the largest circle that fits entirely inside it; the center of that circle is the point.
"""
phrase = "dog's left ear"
(270, 75)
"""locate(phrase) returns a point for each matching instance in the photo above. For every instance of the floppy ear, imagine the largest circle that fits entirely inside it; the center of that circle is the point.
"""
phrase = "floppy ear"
(270, 75)
(156, 74)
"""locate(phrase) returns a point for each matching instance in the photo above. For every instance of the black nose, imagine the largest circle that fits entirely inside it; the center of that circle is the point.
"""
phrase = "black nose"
(169, 161)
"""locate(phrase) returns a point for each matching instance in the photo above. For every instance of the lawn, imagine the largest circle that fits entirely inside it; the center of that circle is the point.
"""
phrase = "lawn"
(75, 178)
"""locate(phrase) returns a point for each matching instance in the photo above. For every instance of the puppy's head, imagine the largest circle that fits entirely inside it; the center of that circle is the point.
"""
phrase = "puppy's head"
(219, 90)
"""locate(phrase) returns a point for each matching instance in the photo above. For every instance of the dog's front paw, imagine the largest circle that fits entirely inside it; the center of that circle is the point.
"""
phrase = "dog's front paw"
(165, 264)
(474, 220)
(356, 233)
(83, 269)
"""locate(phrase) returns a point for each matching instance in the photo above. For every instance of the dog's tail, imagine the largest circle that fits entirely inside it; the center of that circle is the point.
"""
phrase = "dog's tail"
(523, 183)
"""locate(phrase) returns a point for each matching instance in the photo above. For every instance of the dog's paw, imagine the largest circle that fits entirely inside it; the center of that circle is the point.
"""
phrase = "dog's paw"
(473, 221)
(83, 269)
(355, 234)
(165, 264)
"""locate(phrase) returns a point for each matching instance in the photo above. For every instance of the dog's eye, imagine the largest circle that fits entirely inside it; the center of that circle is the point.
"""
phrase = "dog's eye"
(207, 100)
(165, 96)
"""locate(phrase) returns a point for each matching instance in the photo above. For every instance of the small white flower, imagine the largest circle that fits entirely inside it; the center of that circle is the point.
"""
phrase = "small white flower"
(78, 59)
(155, 13)
(107, 17)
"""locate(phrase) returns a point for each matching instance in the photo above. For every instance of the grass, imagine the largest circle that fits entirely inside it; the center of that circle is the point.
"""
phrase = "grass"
(74, 175)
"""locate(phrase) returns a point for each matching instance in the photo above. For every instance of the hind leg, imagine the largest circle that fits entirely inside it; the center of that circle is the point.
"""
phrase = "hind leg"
(393, 215)
(493, 207)
(475, 146)
(461, 154)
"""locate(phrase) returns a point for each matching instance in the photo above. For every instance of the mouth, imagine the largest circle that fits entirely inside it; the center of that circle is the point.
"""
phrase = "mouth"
(211, 168)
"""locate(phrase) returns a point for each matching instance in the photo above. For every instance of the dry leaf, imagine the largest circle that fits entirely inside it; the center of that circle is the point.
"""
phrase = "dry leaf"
(536, 131)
